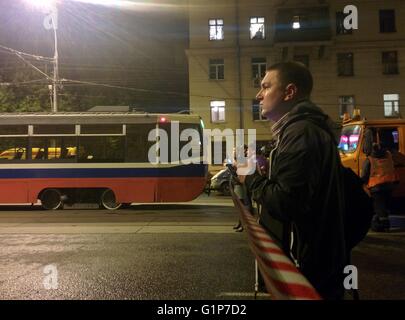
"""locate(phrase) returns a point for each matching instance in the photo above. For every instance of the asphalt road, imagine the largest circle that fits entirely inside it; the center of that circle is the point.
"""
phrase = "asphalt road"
(176, 251)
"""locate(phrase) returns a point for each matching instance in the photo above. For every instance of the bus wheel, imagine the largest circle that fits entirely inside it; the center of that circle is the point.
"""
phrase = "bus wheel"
(107, 200)
(51, 199)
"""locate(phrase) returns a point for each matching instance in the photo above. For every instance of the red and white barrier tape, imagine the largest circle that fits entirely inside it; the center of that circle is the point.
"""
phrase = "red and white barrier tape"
(283, 280)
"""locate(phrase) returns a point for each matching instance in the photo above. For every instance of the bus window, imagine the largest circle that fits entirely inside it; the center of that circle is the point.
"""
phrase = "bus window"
(101, 149)
(165, 148)
(49, 148)
(137, 142)
(195, 145)
(388, 138)
(13, 148)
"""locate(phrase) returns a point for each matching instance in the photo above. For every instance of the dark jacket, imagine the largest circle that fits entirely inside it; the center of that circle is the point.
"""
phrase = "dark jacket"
(302, 200)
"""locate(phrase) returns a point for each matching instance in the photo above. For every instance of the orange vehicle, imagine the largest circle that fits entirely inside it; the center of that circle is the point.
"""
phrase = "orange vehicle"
(37, 153)
(389, 132)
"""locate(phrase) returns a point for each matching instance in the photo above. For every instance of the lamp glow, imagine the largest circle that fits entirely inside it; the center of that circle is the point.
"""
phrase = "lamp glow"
(296, 23)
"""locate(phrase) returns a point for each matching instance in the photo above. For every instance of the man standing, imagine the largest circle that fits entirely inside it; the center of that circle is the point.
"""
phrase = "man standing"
(302, 199)
(378, 173)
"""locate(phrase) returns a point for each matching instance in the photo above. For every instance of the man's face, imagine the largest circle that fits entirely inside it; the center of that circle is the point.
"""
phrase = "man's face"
(271, 95)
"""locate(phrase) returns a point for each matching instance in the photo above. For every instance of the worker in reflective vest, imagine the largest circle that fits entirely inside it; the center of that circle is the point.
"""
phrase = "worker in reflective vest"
(378, 173)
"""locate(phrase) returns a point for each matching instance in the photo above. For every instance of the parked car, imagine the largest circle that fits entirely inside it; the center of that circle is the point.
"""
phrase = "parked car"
(220, 182)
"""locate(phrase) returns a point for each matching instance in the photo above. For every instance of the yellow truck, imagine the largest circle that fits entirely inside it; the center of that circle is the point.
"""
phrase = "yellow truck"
(37, 153)
(389, 132)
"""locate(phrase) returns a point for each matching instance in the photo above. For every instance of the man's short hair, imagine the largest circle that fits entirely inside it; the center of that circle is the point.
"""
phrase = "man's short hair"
(294, 72)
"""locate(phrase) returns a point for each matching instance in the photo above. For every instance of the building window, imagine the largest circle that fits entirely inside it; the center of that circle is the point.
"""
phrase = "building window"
(217, 111)
(259, 66)
(296, 23)
(346, 105)
(345, 64)
(340, 28)
(217, 68)
(387, 21)
(391, 105)
(257, 28)
(216, 29)
(304, 59)
(257, 111)
(390, 62)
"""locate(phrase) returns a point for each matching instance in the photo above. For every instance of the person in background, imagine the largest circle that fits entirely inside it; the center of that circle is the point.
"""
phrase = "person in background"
(262, 162)
(241, 191)
(378, 173)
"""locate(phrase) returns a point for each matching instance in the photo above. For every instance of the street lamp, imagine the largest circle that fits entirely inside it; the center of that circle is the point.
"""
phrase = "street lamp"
(51, 22)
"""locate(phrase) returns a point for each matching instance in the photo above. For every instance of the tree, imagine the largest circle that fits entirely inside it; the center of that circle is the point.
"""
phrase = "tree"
(20, 94)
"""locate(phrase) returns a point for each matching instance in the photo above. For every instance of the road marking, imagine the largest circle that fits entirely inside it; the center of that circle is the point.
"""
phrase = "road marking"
(88, 228)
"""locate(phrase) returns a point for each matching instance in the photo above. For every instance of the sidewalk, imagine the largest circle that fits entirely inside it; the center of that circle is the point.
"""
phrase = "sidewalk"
(212, 200)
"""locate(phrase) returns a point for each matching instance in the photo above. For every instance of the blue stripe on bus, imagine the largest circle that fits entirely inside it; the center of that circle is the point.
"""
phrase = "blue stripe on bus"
(178, 171)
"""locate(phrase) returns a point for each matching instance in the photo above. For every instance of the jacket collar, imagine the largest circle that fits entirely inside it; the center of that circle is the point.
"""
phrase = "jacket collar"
(305, 109)
(281, 123)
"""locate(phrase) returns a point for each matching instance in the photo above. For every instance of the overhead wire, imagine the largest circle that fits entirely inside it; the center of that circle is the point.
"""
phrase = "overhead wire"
(17, 52)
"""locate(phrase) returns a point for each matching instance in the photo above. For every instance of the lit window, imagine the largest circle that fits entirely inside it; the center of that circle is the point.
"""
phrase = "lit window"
(391, 105)
(217, 69)
(216, 29)
(296, 22)
(346, 105)
(257, 28)
(217, 111)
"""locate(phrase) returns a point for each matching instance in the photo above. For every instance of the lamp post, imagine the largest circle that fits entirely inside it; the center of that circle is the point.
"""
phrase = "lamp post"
(51, 22)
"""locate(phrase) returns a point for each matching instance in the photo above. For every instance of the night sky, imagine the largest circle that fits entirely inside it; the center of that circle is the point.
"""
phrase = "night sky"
(141, 48)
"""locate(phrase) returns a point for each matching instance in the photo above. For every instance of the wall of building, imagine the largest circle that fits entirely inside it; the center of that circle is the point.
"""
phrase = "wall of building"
(367, 85)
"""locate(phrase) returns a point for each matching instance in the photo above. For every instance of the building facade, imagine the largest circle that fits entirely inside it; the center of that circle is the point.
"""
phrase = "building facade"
(233, 41)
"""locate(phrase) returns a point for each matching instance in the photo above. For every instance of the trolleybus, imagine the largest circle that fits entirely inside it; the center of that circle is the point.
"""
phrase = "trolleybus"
(92, 157)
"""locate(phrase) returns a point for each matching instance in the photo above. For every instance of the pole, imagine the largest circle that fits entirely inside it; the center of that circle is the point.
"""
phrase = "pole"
(238, 57)
(56, 62)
